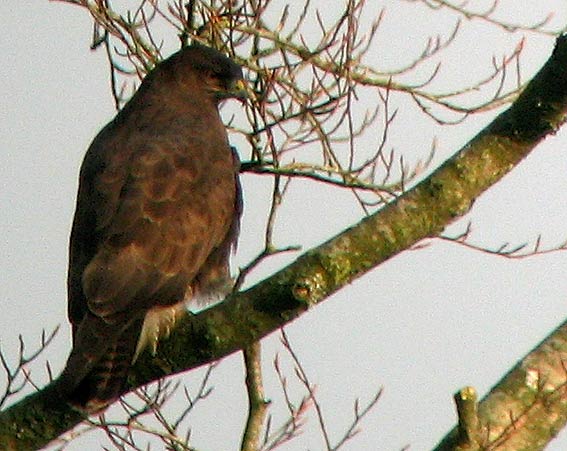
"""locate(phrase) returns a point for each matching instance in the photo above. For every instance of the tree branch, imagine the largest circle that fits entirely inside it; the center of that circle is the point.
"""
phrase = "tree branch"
(257, 404)
(421, 212)
(528, 407)
(468, 426)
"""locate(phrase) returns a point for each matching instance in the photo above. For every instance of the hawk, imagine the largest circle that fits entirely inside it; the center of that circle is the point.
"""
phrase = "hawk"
(157, 214)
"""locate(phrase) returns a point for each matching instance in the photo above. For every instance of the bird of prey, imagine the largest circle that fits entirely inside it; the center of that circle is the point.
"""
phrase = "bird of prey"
(157, 214)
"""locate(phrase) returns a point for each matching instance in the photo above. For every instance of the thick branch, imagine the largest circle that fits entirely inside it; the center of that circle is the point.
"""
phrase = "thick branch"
(422, 212)
(527, 408)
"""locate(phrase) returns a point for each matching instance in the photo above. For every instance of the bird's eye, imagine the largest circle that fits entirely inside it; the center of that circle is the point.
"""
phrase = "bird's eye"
(211, 75)
(215, 72)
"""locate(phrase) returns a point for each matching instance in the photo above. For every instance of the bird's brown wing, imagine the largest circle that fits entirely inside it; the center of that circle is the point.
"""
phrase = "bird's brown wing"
(155, 205)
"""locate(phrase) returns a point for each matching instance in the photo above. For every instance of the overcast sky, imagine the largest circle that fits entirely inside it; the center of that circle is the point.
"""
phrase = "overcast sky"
(421, 326)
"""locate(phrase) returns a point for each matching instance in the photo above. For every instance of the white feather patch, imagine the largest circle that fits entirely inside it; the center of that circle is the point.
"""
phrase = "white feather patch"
(158, 324)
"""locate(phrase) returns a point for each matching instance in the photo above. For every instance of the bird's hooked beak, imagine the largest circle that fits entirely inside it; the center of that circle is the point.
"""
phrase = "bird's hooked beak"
(236, 88)
(239, 90)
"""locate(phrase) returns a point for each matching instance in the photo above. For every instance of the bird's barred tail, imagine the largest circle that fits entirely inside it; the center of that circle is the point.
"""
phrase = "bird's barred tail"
(93, 382)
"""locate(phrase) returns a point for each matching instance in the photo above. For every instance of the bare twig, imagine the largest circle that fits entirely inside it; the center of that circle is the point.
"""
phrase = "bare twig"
(505, 250)
(18, 376)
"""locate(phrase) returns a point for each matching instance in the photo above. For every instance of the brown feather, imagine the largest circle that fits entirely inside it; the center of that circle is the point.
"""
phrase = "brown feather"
(157, 214)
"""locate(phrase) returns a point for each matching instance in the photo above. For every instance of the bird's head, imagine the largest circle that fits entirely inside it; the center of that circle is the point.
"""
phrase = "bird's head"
(221, 76)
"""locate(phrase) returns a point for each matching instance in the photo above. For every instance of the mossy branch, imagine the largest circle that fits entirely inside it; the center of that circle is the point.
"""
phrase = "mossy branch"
(527, 408)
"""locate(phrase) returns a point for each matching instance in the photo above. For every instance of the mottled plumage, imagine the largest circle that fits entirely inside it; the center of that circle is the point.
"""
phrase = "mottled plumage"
(157, 214)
